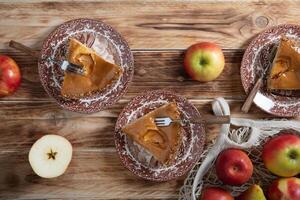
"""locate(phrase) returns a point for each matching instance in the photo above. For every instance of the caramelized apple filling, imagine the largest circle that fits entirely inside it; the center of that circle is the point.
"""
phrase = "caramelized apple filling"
(284, 73)
(285, 67)
(155, 137)
(86, 61)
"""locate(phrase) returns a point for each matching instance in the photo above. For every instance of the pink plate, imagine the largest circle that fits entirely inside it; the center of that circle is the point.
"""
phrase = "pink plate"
(106, 42)
(141, 163)
(256, 58)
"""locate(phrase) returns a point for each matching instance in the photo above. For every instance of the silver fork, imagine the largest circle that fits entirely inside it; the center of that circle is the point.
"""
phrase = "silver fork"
(64, 65)
(67, 66)
(206, 119)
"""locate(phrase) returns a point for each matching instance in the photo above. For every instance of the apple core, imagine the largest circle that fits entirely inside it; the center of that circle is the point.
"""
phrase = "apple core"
(52, 154)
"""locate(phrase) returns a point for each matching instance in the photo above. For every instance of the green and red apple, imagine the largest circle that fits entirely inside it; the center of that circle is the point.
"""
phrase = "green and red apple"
(285, 189)
(254, 192)
(10, 76)
(204, 61)
(281, 155)
(234, 167)
(50, 156)
(215, 193)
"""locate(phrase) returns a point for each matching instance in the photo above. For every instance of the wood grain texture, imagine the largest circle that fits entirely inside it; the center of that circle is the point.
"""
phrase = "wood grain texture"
(153, 70)
(150, 24)
(96, 174)
(23, 123)
(158, 32)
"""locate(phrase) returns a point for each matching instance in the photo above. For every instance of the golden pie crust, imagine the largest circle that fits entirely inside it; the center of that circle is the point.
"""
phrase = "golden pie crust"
(285, 71)
(98, 72)
(162, 142)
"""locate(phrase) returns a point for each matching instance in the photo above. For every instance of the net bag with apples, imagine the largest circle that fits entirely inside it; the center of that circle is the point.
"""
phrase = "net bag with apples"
(246, 134)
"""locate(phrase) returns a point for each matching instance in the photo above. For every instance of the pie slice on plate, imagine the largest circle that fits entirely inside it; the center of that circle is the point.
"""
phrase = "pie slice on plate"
(285, 71)
(98, 72)
(162, 142)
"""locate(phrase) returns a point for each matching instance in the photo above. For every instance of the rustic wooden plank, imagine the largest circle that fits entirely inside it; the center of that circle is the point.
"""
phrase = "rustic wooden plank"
(51, 111)
(150, 24)
(95, 171)
(95, 174)
(153, 70)
(24, 122)
(157, 31)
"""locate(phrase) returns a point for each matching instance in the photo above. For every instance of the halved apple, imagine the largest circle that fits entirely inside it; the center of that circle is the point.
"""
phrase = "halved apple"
(50, 156)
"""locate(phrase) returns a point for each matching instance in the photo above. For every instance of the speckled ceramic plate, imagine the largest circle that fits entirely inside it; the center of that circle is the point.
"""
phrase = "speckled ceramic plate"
(141, 163)
(106, 42)
(256, 58)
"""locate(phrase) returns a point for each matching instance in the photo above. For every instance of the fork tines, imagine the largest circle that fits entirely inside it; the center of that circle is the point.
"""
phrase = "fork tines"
(163, 121)
(75, 69)
(66, 66)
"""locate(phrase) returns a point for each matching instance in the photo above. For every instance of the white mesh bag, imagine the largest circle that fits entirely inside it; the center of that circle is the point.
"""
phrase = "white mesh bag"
(246, 134)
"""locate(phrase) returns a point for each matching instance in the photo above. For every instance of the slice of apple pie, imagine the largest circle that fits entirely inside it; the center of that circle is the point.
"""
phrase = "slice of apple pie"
(98, 72)
(285, 71)
(162, 142)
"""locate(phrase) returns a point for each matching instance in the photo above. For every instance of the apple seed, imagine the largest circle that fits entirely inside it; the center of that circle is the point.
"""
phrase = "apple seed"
(52, 154)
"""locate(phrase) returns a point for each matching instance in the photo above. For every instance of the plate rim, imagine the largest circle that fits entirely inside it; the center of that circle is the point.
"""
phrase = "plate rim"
(164, 178)
(243, 66)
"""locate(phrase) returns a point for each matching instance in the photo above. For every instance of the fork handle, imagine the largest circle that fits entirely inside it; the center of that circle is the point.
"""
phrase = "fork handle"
(24, 49)
(248, 102)
(212, 119)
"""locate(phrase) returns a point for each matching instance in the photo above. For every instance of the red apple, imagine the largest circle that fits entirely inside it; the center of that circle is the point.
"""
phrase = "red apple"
(10, 76)
(281, 155)
(214, 193)
(285, 188)
(204, 61)
(234, 167)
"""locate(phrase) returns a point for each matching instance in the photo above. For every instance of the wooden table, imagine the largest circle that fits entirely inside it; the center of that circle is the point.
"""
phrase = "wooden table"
(158, 33)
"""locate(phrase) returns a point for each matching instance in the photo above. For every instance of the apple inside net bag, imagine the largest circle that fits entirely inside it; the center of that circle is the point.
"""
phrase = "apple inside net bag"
(249, 135)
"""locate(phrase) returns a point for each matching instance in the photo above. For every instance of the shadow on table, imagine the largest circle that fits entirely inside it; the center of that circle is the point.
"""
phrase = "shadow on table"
(16, 176)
